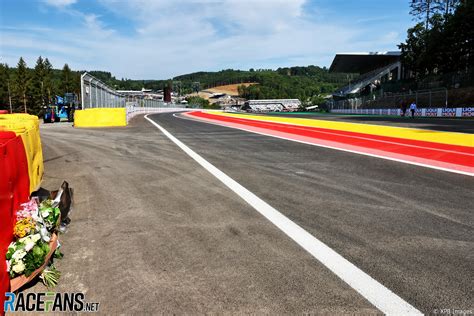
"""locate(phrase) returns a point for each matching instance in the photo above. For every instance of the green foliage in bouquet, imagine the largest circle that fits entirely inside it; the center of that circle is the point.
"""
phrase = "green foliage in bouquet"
(50, 214)
(58, 254)
(50, 276)
(24, 260)
(35, 258)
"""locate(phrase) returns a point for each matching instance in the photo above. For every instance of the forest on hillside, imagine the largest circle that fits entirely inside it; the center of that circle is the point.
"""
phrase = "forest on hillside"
(31, 88)
(291, 82)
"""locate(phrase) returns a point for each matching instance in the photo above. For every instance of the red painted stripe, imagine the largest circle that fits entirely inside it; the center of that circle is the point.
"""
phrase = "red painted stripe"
(418, 143)
(350, 148)
(451, 154)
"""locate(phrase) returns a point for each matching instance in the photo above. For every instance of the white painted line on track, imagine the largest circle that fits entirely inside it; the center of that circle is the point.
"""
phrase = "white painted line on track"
(466, 173)
(377, 294)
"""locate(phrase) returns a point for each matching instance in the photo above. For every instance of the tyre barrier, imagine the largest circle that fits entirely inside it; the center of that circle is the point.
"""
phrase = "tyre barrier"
(21, 172)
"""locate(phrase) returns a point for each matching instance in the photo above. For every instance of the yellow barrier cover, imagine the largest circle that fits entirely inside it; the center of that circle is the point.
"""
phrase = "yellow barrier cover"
(27, 127)
(100, 117)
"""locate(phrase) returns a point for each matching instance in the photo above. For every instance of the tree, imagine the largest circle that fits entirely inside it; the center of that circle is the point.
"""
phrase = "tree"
(414, 50)
(459, 33)
(22, 80)
(448, 6)
(317, 100)
(38, 93)
(5, 97)
(422, 10)
(425, 9)
(447, 46)
(48, 85)
(66, 80)
(198, 101)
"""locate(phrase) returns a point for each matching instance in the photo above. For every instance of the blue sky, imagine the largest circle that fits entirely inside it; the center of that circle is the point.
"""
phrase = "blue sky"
(159, 39)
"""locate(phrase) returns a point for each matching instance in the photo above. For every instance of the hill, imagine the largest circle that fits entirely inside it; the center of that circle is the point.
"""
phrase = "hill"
(304, 83)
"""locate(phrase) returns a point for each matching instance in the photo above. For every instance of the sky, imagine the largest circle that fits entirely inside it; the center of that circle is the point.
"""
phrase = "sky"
(160, 39)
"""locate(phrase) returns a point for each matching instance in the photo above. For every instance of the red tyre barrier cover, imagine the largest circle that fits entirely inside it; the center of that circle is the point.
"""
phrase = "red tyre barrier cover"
(14, 190)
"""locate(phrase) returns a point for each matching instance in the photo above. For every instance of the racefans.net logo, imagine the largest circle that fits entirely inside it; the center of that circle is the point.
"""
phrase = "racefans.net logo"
(48, 302)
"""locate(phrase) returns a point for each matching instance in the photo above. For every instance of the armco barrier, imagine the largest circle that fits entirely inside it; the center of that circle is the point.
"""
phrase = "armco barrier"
(133, 111)
(100, 117)
(428, 112)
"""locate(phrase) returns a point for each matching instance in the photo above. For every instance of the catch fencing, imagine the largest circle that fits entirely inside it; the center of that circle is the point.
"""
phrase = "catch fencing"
(104, 106)
(97, 94)
(422, 98)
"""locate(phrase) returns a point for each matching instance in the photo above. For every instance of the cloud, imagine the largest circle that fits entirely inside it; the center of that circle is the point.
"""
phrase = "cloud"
(158, 39)
(59, 3)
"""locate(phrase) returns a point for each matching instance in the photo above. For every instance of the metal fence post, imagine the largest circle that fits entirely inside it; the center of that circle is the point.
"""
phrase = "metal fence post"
(90, 94)
(96, 91)
(446, 104)
(83, 98)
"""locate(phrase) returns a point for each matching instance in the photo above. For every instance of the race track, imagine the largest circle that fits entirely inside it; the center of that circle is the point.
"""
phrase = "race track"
(154, 231)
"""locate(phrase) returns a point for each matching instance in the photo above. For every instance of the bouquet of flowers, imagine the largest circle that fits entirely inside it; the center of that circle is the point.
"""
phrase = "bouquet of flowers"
(36, 222)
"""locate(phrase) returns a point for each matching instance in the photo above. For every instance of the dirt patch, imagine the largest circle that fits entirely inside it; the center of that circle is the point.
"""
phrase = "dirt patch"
(230, 89)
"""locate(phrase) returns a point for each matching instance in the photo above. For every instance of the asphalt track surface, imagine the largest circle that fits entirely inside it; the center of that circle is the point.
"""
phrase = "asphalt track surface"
(154, 232)
(462, 125)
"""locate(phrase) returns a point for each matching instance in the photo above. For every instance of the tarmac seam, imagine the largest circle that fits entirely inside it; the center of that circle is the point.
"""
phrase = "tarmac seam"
(376, 293)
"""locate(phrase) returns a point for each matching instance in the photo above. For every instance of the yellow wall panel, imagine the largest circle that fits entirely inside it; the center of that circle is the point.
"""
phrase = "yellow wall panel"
(100, 117)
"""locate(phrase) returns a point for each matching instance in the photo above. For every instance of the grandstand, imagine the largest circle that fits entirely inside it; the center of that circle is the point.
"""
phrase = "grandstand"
(277, 105)
(384, 82)
(142, 94)
(374, 68)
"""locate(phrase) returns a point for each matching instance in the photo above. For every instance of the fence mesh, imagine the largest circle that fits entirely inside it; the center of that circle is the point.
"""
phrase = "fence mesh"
(97, 94)
(423, 99)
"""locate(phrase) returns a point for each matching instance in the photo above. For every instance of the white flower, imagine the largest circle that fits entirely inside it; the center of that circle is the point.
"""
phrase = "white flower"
(45, 213)
(19, 254)
(29, 245)
(24, 239)
(8, 265)
(36, 217)
(35, 237)
(19, 267)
